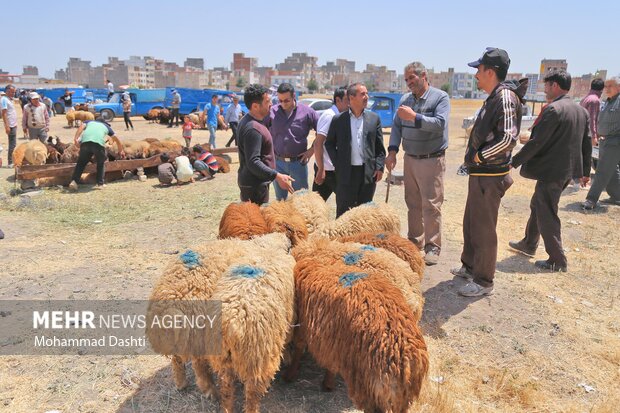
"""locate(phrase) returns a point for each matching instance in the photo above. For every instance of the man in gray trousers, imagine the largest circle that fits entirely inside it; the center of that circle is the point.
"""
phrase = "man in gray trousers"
(558, 151)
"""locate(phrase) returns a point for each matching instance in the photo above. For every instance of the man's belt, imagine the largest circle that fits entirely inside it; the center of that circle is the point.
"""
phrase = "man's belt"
(430, 155)
(289, 158)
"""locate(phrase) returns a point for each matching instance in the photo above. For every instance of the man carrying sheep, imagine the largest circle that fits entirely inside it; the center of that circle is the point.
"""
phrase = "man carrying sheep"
(487, 157)
(92, 143)
(256, 156)
(421, 123)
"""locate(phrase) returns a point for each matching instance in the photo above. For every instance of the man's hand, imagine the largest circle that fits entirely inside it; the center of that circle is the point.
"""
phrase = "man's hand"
(584, 181)
(405, 113)
(390, 161)
(7, 129)
(477, 158)
(305, 157)
(594, 141)
(285, 182)
(26, 132)
(378, 175)
(319, 177)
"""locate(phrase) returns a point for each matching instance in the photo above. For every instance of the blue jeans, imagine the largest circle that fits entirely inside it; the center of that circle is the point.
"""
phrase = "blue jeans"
(296, 170)
(212, 129)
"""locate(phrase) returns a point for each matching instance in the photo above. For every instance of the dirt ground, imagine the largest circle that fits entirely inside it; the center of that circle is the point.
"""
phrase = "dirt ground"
(534, 346)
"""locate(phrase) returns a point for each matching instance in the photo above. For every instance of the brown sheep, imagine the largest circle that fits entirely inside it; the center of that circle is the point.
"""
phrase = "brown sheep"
(152, 115)
(369, 336)
(81, 107)
(224, 166)
(70, 118)
(242, 220)
(137, 150)
(401, 247)
(36, 153)
(56, 143)
(164, 116)
(70, 154)
(194, 118)
(282, 216)
(18, 154)
(171, 145)
(53, 156)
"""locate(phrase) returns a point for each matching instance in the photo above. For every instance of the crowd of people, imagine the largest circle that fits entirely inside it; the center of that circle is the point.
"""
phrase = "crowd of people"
(350, 157)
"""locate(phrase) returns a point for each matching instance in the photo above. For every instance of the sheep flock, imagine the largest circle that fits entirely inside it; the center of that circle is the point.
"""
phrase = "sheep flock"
(287, 280)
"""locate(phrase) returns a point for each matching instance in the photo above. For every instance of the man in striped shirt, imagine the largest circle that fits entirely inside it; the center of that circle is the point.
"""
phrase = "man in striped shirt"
(488, 157)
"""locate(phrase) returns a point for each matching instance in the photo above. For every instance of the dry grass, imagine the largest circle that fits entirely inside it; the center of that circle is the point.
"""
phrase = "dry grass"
(519, 350)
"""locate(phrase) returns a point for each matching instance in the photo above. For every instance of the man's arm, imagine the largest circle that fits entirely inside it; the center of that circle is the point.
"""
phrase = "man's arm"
(541, 134)
(439, 121)
(47, 118)
(78, 133)
(331, 143)
(379, 151)
(25, 121)
(507, 122)
(119, 145)
(5, 118)
(394, 143)
(253, 142)
(586, 152)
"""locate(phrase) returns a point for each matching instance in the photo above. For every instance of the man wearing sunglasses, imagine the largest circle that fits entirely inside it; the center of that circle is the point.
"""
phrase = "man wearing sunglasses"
(290, 124)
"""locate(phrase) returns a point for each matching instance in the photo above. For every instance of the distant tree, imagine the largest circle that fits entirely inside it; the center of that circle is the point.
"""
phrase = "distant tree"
(370, 86)
(312, 85)
(446, 87)
(240, 82)
(227, 85)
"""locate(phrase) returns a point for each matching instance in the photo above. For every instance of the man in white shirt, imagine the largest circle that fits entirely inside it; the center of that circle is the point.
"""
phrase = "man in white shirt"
(9, 116)
(110, 89)
(324, 175)
(233, 114)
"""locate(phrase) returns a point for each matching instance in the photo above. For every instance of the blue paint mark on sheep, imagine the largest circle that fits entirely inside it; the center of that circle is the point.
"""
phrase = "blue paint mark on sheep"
(190, 259)
(368, 248)
(382, 236)
(301, 192)
(352, 258)
(347, 280)
(247, 271)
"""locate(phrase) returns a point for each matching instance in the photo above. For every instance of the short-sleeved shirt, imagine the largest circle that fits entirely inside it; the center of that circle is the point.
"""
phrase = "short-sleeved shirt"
(290, 133)
(187, 129)
(322, 128)
(96, 132)
(212, 111)
(7, 104)
(110, 87)
(68, 100)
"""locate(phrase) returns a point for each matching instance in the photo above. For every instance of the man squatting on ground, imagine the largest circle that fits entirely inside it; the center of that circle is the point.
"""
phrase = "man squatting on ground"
(256, 156)
(421, 123)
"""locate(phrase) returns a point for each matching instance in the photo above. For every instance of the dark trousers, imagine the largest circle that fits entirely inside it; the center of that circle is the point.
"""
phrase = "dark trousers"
(233, 138)
(127, 120)
(258, 194)
(12, 144)
(607, 176)
(110, 94)
(354, 193)
(479, 226)
(544, 220)
(174, 113)
(328, 186)
(87, 151)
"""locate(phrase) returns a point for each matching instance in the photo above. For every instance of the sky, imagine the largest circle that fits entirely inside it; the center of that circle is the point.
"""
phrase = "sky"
(439, 34)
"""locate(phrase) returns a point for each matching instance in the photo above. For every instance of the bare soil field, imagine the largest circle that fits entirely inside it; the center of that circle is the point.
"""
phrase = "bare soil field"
(542, 343)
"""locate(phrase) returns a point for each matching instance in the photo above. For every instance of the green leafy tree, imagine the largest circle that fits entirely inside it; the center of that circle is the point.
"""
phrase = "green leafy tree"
(446, 87)
(370, 86)
(312, 86)
(240, 82)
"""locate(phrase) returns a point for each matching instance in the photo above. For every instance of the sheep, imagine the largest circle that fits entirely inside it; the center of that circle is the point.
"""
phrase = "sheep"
(257, 313)
(70, 154)
(137, 150)
(83, 116)
(364, 218)
(402, 247)
(312, 207)
(53, 156)
(81, 107)
(282, 216)
(358, 325)
(224, 166)
(152, 115)
(70, 118)
(56, 143)
(164, 116)
(171, 145)
(194, 118)
(35, 153)
(18, 154)
(367, 258)
(242, 220)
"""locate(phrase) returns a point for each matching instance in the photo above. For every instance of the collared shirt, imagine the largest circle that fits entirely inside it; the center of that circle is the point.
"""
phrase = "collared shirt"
(428, 132)
(290, 133)
(357, 139)
(233, 113)
(322, 128)
(592, 103)
(7, 104)
(609, 118)
(176, 100)
(35, 117)
(110, 87)
(212, 111)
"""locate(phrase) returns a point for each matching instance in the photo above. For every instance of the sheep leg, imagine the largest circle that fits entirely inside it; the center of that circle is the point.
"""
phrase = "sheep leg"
(329, 381)
(299, 345)
(178, 370)
(204, 378)
(227, 389)
(253, 395)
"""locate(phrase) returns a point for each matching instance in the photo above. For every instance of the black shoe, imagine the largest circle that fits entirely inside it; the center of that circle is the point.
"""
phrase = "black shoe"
(610, 201)
(521, 249)
(1, 234)
(548, 265)
(588, 205)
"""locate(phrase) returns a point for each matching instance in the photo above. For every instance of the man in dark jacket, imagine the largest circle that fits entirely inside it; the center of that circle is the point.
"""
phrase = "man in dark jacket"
(355, 146)
(488, 156)
(558, 151)
(256, 158)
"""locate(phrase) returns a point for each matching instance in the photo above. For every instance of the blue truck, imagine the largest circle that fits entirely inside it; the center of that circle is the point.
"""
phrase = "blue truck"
(142, 100)
(194, 100)
(80, 95)
(384, 105)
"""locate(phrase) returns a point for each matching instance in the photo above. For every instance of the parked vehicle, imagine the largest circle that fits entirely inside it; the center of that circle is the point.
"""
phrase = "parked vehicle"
(319, 105)
(527, 120)
(80, 95)
(142, 100)
(384, 105)
(194, 100)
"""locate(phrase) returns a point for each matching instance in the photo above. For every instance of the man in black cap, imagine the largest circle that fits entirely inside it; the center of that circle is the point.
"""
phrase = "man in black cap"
(487, 159)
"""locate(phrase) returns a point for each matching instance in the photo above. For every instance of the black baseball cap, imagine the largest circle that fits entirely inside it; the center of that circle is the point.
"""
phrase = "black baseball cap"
(493, 57)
